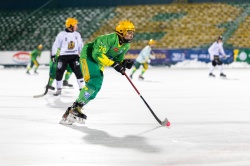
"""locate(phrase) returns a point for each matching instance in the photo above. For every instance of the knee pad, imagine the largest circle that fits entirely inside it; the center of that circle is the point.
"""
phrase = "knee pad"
(213, 63)
(77, 70)
(59, 71)
(219, 62)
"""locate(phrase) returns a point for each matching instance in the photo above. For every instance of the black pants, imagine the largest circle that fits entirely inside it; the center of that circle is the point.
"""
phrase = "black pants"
(63, 61)
(216, 61)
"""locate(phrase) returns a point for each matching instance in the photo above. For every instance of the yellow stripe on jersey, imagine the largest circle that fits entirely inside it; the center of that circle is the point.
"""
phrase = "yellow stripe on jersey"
(35, 62)
(145, 65)
(85, 70)
(105, 61)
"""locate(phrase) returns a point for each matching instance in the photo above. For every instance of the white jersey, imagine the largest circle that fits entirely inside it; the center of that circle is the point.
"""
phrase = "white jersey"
(69, 43)
(215, 49)
(145, 55)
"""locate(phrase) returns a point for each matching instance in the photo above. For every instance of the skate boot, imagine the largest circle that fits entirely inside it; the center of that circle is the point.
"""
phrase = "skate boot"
(64, 118)
(211, 75)
(27, 72)
(75, 114)
(58, 92)
(131, 76)
(222, 75)
(65, 83)
(35, 72)
(50, 87)
(140, 77)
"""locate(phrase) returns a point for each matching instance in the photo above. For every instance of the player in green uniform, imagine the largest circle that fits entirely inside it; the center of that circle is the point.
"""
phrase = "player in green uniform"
(105, 50)
(53, 73)
(34, 54)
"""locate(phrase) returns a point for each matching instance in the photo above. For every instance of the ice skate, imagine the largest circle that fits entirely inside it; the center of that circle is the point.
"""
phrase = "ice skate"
(51, 87)
(58, 92)
(223, 75)
(27, 72)
(141, 77)
(65, 83)
(75, 114)
(131, 76)
(211, 75)
(64, 119)
(35, 72)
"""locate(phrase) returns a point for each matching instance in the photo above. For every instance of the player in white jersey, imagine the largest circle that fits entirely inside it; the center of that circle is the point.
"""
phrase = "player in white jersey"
(215, 50)
(70, 44)
(143, 58)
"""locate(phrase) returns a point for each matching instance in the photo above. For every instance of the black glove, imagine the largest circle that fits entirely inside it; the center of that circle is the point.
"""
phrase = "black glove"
(119, 67)
(53, 58)
(128, 63)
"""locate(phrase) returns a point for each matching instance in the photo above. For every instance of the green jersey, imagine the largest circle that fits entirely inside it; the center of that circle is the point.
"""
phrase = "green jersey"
(105, 50)
(36, 53)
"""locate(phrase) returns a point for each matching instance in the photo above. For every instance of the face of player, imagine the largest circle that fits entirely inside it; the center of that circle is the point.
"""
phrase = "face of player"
(152, 45)
(75, 27)
(129, 35)
(220, 41)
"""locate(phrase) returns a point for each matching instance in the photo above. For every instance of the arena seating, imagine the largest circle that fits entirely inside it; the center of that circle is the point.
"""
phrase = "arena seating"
(173, 25)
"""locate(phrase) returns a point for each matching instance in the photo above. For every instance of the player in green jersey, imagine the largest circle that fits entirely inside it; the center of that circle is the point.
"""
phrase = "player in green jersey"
(105, 50)
(34, 54)
(53, 73)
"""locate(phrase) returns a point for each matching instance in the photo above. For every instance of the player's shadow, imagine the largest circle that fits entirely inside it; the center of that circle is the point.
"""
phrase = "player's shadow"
(99, 137)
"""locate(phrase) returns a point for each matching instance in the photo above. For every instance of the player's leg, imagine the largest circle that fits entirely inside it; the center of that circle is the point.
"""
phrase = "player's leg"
(67, 76)
(36, 65)
(213, 64)
(52, 75)
(144, 69)
(29, 66)
(61, 66)
(76, 68)
(93, 78)
(219, 63)
(136, 66)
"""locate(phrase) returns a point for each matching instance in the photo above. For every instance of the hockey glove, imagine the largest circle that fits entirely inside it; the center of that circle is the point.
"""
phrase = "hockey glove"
(53, 58)
(128, 63)
(119, 67)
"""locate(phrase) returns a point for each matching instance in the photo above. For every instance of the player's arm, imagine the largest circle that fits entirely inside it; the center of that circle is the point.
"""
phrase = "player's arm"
(57, 44)
(80, 43)
(152, 55)
(222, 51)
(32, 53)
(128, 63)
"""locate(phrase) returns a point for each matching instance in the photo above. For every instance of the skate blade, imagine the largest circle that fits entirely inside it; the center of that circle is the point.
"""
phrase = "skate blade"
(73, 118)
(65, 122)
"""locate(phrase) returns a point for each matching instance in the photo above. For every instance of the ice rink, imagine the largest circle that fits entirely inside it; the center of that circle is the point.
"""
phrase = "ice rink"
(210, 120)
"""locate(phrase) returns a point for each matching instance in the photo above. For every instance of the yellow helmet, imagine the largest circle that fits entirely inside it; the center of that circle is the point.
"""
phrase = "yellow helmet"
(40, 46)
(124, 26)
(70, 22)
(151, 42)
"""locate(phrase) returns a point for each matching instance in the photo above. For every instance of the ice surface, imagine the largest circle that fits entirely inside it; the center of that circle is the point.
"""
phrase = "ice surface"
(210, 120)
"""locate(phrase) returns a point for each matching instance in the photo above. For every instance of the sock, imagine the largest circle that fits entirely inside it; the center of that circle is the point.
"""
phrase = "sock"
(59, 84)
(211, 69)
(51, 80)
(80, 83)
(220, 68)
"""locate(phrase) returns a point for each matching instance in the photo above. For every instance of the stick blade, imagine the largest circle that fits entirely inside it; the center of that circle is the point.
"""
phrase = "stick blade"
(165, 122)
(37, 96)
